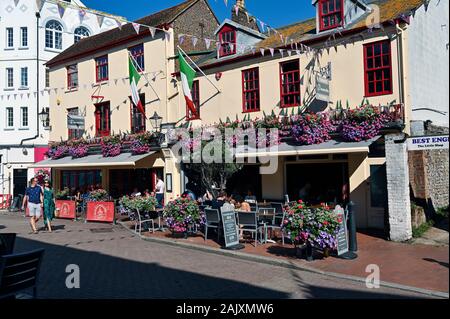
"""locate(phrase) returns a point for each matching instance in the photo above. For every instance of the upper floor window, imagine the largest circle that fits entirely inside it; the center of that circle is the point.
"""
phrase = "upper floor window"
(80, 33)
(137, 118)
(24, 77)
(195, 92)
(53, 35)
(24, 116)
(227, 39)
(9, 38)
(9, 77)
(137, 52)
(24, 37)
(47, 78)
(9, 117)
(101, 68)
(290, 83)
(250, 90)
(331, 14)
(74, 133)
(72, 76)
(378, 68)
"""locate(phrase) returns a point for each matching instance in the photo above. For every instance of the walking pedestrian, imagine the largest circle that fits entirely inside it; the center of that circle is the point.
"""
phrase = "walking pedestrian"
(34, 199)
(159, 191)
(49, 205)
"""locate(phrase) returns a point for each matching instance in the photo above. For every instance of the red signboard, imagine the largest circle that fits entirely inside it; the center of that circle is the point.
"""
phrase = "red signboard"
(65, 209)
(100, 212)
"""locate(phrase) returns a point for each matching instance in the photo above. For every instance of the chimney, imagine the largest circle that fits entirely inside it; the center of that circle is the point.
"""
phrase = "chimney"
(242, 17)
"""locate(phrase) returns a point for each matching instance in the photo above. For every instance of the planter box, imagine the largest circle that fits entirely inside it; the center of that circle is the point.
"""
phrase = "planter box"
(100, 212)
(66, 209)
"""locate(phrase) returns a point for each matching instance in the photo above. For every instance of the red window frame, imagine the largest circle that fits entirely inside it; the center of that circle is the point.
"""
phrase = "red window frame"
(290, 85)
(102, 119)
(137, 52)
(250, 90)
(227, 36)
(329, 11)
(137, 116)
(195, 92)
(378, 68)
(71, 71)
(100, 64)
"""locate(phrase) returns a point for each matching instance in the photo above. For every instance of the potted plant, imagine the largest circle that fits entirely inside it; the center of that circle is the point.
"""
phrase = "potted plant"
(182, 214)
(100, 207)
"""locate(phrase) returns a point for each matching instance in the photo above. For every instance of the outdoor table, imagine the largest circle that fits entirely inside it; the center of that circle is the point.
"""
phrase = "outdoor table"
(258, 216)
(160, 213)
(263, 217)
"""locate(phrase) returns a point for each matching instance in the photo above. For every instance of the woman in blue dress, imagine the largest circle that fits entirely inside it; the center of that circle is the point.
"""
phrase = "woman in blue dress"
(49, 205)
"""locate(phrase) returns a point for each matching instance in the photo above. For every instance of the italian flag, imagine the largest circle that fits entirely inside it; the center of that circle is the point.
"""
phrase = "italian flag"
(134, 80)
(187, 78)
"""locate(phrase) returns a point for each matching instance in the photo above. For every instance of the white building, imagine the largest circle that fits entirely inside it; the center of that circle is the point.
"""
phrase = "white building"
(28, 39)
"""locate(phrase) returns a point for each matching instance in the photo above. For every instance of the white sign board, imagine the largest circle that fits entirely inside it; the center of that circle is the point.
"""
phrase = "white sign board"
(75, 122)
(423, 143)
(322, 89)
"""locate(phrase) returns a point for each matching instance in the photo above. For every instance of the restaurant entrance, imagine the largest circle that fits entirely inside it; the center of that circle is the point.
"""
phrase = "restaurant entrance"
(124, 181)
(317, 183)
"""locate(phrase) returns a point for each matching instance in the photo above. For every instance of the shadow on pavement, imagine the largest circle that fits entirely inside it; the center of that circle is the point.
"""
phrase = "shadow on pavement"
(431, 260)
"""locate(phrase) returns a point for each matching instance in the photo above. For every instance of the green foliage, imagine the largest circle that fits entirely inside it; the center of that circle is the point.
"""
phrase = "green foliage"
(418, 232)
(62, 194)
(143, 204)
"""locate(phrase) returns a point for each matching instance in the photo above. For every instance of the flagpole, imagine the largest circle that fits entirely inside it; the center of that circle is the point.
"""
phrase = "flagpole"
(143, 74)
(182, 52)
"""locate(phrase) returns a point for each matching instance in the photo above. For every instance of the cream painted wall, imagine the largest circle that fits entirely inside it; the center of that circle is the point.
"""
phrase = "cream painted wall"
(347, 82)
(117, 92)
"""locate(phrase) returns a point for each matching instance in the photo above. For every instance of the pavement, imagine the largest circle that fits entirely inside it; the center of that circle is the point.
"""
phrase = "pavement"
(412, 266)
(114, 263)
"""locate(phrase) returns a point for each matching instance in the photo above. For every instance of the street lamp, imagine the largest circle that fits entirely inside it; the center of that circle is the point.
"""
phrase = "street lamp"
(155, 121)
(44, 116)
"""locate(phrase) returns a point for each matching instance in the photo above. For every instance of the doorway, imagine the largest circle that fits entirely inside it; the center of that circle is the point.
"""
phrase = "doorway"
(317, 183)
(20, 181)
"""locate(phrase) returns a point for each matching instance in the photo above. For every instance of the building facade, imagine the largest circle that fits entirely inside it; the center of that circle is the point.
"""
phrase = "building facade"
(30, 37)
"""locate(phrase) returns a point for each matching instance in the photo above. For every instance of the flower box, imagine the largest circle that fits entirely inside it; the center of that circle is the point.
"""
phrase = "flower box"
(100, 212)
(66, 209)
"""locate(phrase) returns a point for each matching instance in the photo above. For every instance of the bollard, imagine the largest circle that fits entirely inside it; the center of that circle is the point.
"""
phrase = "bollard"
(352, 241)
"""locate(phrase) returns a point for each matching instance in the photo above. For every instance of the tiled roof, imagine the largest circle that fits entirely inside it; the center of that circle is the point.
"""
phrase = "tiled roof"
(105, 39)
(305, 30)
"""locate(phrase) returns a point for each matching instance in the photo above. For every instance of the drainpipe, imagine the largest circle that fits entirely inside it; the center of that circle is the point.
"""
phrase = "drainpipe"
(400, 61)
(38, 15)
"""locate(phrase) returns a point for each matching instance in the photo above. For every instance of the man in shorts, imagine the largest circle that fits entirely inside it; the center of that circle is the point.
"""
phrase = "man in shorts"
(34, 197)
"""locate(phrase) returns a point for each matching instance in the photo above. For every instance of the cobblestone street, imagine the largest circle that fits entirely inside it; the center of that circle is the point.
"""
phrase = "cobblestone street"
(116, 264)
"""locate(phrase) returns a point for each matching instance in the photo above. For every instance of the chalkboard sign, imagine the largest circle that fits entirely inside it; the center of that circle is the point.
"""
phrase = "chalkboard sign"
(342, 236)
(230, 229)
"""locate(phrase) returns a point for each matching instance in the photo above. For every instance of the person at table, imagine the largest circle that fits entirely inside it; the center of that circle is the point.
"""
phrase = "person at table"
(207, 198)
(34, 199)
(148, 194)
(219, 201)
(159, 191)
(190, 194)
(242, 205)
(49, 205)
(250, 198)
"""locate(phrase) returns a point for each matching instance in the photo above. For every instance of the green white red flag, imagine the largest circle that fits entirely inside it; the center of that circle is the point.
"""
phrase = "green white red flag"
(134, 80)
(187, 79)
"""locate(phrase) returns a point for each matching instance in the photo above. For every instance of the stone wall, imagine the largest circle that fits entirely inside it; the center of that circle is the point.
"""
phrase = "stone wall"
(397, 174)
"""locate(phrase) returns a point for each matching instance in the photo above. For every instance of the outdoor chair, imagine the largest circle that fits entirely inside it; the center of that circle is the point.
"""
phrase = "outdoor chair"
(142, 219)
(19, 272)
(249, 223)
(212, 221)
(7, 243)
(253, 207)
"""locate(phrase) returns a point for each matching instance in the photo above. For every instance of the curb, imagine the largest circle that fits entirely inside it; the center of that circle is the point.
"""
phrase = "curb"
(284, 263)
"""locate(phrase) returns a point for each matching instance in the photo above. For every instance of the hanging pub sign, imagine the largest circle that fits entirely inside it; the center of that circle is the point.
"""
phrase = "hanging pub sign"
(322, 89)
(422, 143)
(75, 122)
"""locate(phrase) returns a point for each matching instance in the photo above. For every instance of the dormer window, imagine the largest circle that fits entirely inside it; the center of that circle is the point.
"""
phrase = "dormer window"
(227, 39)
(331, 14)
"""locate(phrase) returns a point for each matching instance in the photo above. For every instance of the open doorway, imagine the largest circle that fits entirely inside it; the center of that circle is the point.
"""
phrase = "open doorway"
(317, 183)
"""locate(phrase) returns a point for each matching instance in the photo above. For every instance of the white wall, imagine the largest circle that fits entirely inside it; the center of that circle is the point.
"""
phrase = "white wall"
(24, 15)
(428, 62)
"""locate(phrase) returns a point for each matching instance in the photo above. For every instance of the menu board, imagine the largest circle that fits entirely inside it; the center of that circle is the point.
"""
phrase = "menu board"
(230, 229)
(342, 236)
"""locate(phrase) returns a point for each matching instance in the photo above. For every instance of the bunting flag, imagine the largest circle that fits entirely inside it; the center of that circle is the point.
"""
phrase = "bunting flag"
(152, 31)
(61, 8)
(208, 43)
(181, 39)
(187, 74)
(236, 9)
(134, 80)
(16, 2)
(39, 5)
(194, 41)
(272, 51)
(119, 23)
(81, 15)
(100, 19)
(262, 51)
(136, 27)
(167, 36)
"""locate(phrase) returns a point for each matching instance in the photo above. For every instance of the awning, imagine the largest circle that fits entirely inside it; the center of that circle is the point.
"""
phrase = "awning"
(124, 159)
(330, 147)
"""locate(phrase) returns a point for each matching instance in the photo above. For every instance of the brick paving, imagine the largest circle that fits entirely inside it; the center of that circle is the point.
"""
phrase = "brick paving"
(117, 264)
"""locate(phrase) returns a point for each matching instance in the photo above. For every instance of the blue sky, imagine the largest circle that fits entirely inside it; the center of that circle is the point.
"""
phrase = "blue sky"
(273, 12)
